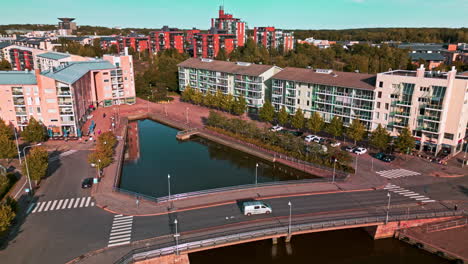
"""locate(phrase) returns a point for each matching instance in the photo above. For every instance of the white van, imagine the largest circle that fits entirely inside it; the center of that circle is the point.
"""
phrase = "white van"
(256, 207)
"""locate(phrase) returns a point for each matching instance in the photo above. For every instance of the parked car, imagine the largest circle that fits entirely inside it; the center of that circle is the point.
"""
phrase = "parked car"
(256, 207)
(335, 144)
(360, 150)
(350, 148)
(312, 138)
(294, 133)
(87, 183)
(384, 157)
(276, 128)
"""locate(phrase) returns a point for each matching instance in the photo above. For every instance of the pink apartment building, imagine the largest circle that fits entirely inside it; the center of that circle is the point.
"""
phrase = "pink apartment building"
(62, 97)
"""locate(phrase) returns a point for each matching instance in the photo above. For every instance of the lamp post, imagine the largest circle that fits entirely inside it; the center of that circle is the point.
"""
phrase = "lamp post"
(169, 187)
(176, 237)
(99, 168)
(26, 163)
(290, 214)
(256, 175)
(147, 104)
(388, 207)
(17, 146)
(334, 169)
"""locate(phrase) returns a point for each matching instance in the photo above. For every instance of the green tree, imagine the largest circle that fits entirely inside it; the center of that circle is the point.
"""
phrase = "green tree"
(5, 129)
(8, 148)
(38, 163)
(405, 141)
(283, 116)
(267, 112)
(5, 65)
(218, 99)
(227, 103)
(297, 120)
(34, 131)
(335, 127)
(197, 97)
(209, 100)
(187, 94)
(240, 105)
(7, 215)
(380, 138)
(315, 123)
(222, 55)
(356, 130)
(100, 158)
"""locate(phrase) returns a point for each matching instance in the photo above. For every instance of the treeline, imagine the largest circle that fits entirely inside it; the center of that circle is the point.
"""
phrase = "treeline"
(377, 35)
(360, 57)
(88, 50)
(217, 100)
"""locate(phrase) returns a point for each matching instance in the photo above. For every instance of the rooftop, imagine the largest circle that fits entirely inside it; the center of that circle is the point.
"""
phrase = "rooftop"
(54, 55)
(17, 77)
(250, 69)
(341, 79)
(426, 56)
(73, 71)
(421, 46)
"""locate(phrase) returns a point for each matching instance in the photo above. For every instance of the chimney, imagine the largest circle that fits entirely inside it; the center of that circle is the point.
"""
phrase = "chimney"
(420, 71)
(126, 51)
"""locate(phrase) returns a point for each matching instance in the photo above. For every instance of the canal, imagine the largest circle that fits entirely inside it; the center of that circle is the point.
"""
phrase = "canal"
(352, 246)
(194, 165)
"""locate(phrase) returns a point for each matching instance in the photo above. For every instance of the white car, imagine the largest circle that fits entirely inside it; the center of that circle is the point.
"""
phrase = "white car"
(360, 150)
(311, 138)
(335, 144)
(276, 128)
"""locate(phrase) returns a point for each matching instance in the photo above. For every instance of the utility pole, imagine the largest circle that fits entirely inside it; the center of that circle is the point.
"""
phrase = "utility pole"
(256, 178)
(388, 207)
(290, 215)
(176, 237)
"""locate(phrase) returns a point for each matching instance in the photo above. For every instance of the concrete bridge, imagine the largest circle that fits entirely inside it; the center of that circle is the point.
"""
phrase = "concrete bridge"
(186, 134)
(377, 226)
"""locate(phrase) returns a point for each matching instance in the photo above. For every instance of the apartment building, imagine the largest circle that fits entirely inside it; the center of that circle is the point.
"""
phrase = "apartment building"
(231, 25)
(433, 105)
(236, 78)
(49, 60)
(63, 96)
(344, 94)
(138, 43)
(272, 38)
(107, 42)
(167, 38)
(208, 45)
(21, 58)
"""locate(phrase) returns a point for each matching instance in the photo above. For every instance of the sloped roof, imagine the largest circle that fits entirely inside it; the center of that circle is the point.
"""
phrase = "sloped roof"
(73, 71)
(341, 79)
(4, 44)
(54, 55)
(225, 66)
(17, 77)
(426, 56)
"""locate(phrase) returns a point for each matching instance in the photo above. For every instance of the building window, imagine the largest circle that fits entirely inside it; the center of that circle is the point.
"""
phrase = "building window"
(51, 110)
(377, 115)
(106, 80)
(29, 100)
(386, 106)
(105, 73)
(298, 101)
(308, 102)
(380, 84)
(37, 100)
(378, 105)
(308, 93)
(448, 136)
(379, 95)
(54, 120)
(385, 117)
(38, 110)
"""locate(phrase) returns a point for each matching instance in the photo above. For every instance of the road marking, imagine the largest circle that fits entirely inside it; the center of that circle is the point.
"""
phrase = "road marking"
(428, 201)
(47, 206)
(65, 204)
(53, 205)
(71, 203)
(397, 173)
(42, 206)
(420, 199)
(410, 194)
(120, 236)
(118, 240)
(119, 244)
(59, 204)
(87, 201)
(121, 230)
(82, 202)
(76, 202)
(36, 207)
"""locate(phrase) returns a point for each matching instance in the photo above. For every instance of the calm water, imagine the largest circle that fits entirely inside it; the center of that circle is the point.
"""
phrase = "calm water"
(194, 165)
(352, 246)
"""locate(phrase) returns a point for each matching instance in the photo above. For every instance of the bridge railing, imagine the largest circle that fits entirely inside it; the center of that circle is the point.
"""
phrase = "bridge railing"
(179, 196)
(279, 229)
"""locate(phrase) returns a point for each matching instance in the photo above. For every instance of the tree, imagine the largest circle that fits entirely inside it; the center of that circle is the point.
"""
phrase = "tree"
(267, 112)
(356, 130)
(297, 120)
(7, 215)
(34, 131)
(5, 65)
(335, 127)
(283, 116)
(38, 163)
(187, 94)
(227, 103)
(380, 138)
(208, 100)
(8, 148)
(197, 97)
(100, 158)
(239, 106)
(315, 123)
(222, 55)
(405, 141)
(5, 129)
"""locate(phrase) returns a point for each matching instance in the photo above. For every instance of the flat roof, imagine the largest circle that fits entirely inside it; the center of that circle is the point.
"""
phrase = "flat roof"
(250, 69)
(426, 56)
(73, 71)
(341, 79)
(17, 77)
(54, 55)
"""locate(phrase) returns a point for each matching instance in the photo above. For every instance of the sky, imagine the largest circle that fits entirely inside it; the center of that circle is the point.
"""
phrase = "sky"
(286, 14)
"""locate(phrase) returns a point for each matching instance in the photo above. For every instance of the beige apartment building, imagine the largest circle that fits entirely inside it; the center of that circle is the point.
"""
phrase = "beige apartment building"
(236, 78)
(433, 105)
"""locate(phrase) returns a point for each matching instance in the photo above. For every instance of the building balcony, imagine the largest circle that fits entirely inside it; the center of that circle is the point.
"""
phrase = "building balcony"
(401, 103)
(21, 113)
(400, 114)
(433, 107)
(17, 93)
(398, 124)
(427, 129)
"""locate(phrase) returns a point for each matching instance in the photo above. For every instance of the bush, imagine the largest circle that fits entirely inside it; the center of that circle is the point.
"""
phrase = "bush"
(7, 214)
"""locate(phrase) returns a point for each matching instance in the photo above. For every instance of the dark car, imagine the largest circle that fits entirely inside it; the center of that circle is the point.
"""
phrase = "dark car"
(87, 183)
(384, 157)
(350, 148)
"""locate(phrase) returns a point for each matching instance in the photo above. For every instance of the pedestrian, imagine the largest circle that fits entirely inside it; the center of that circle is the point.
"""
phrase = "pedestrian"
(104, 115)
(455, 207)
(99, 132)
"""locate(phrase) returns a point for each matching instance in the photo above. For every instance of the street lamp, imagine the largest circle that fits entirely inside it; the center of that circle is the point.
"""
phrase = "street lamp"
(99, 168)
(388, 207)
(334, 169)
(147, 104)
(169, 187)
(17, 145)
(26, 163)
(176, 237)
(290, 211)
(256, 177)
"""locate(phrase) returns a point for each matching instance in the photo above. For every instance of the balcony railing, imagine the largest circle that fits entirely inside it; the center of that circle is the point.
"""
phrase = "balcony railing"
(21, 113)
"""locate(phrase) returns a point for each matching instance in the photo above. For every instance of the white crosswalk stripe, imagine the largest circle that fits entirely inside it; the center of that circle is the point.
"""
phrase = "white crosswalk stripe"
(61, 204)
(407, 193)
(397, 173)
(121, 231)
(62, 155)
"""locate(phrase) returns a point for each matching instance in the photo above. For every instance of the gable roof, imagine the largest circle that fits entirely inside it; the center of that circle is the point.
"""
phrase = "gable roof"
(54, 55)
(250, 69)
(341, 79)
(17, 77)
(73, 71)
(427, 56)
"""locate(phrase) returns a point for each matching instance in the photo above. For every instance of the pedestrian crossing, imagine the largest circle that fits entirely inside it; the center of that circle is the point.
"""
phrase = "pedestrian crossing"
(407, 193)
(121, 232)
(62, 204)
(62, 155)
(397, 173)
